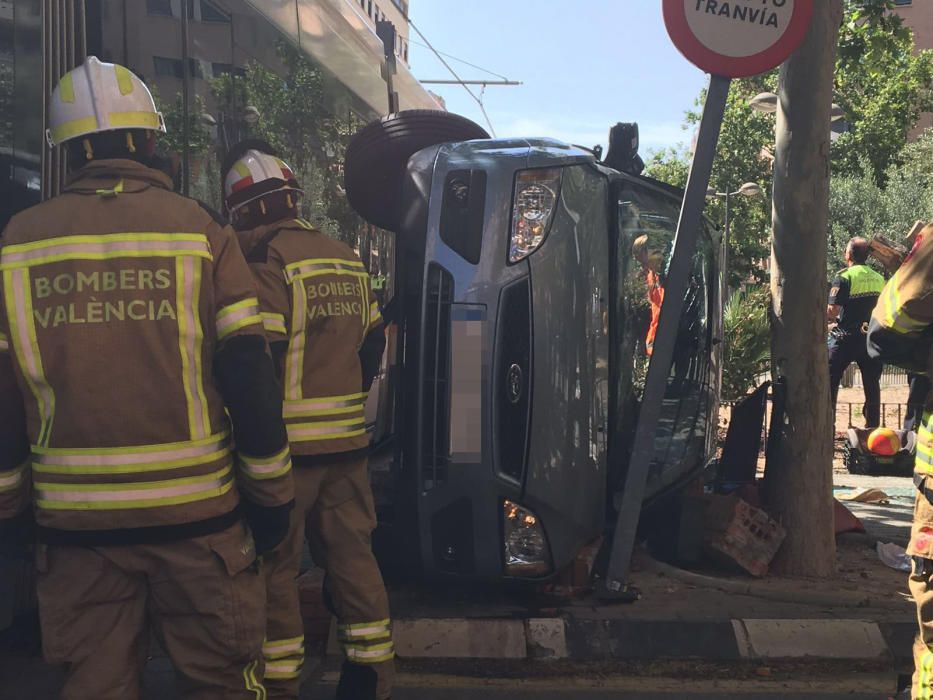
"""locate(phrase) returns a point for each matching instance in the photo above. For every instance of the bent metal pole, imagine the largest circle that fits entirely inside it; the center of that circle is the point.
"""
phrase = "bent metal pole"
(675, 288)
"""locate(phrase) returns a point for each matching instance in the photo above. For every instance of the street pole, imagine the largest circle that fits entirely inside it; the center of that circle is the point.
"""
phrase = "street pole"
(675, 289)
(725, 247)
(185, 99)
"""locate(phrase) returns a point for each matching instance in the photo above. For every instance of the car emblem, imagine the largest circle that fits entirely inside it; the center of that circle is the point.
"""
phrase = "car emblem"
(513, 382)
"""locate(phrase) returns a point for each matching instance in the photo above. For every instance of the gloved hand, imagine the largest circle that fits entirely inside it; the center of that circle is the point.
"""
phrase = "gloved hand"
(269, 524)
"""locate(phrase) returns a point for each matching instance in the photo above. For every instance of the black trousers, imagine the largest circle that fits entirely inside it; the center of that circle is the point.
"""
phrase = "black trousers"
(916, 400)
(843, 351)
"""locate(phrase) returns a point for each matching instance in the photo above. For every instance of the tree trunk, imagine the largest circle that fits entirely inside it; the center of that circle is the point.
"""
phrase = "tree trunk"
(799, 482)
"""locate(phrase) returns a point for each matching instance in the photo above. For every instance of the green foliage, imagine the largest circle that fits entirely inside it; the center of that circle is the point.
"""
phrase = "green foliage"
(296, 120)
(881, 84)
(747, 341)
(878, 185)
(200, 140)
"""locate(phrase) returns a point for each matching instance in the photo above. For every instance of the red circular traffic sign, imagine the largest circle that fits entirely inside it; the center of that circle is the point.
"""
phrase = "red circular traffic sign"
(737, 38)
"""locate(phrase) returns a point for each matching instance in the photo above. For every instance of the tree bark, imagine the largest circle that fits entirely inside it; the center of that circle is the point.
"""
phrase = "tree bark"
(799, 471)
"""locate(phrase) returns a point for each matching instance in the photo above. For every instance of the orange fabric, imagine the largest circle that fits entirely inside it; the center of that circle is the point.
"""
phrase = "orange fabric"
(656, 299)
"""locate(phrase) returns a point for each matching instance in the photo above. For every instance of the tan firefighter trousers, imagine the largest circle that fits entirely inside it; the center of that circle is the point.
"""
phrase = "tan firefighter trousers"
(202, 597)
(334, 510)
(921, 587)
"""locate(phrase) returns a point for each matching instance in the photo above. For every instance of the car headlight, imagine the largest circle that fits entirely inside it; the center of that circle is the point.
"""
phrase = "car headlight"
(534, 202)
(526, 548)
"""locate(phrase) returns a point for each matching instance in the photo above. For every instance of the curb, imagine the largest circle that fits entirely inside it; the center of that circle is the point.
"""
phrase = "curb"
(555, 638)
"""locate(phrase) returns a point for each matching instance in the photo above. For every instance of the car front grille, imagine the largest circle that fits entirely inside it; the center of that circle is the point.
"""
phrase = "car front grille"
(435, 428)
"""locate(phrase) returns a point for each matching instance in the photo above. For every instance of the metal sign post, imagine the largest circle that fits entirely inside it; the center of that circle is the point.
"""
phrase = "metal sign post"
(727, 40)
(675, 288)
(386, 31)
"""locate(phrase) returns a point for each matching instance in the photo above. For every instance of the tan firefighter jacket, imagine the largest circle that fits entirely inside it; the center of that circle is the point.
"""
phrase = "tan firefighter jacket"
(316, 295)
(115, 298)
(901, 330)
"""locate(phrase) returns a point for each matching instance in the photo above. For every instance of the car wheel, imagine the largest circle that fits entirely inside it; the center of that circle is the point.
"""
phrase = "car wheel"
(377, 157)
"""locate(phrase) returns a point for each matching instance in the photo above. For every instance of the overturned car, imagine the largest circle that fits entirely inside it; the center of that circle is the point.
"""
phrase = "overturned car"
(529, 277)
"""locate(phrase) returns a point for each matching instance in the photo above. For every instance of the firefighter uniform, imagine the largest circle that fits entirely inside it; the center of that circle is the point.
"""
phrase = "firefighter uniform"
(324, 325)
(856, 291)
(129, 328)
(901, 333)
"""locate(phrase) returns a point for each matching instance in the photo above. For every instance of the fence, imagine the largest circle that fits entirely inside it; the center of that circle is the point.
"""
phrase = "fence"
(890, 376)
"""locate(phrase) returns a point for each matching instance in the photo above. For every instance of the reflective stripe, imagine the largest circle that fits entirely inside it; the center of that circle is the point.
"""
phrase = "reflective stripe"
(324, 266)
(369, 654)
(375, 316)
(13, 479)
(66, 88)
(152, 494)
(18, 295)
(76, 127)
(895, 318)
(190, 340)
(253, 684)
(294, 361)
(863, 281)
(135, 120)
(330, 430)
(924, 688)
(105, 246)
(274, 323)
(327, 405)
(277, 648)
(304, 224)
(131, 460)
(124, 80)
(267, 467)
(236, 316)
(364, 631)
(924, 459)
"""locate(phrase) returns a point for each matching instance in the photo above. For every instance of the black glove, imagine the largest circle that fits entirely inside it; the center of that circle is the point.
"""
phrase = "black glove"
(269, 524)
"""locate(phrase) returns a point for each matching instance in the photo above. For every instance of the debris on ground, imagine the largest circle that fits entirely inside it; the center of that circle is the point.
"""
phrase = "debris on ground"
(737, 533)
(865, 495)
(894, 556)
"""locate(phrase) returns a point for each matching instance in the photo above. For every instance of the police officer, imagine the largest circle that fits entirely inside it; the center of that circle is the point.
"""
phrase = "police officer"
(129, 330)
(901, 333)
(326, 335)
(851, 300)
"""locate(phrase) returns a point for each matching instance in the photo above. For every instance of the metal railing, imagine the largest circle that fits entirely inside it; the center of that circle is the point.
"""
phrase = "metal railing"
(890, 376)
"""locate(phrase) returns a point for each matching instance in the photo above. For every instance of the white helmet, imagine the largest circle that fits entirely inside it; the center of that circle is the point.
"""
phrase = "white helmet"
(96, 97)
(254, 175)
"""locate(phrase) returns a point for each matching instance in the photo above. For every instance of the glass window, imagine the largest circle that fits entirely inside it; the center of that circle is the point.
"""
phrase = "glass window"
(648, 223)
(210, 13)
(167, 67)
(159, 7)
(903, 2)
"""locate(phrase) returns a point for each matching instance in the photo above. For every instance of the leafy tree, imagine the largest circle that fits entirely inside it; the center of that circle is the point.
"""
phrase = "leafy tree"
(747, 341)
(880, 83)
(295, 119)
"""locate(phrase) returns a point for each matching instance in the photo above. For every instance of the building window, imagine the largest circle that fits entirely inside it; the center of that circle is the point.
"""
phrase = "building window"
(211, 13)
(901, 3)
(168, 67)
(401, 5)
(159, 7)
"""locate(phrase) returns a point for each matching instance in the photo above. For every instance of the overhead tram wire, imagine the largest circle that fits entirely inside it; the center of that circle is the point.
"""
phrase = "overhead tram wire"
(460, 60)
(453, 73)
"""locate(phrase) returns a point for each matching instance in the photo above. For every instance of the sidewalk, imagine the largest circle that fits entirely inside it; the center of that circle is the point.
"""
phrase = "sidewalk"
(863, 617)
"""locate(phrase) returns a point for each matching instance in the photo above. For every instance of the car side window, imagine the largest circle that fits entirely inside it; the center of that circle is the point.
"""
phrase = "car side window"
(647, 226)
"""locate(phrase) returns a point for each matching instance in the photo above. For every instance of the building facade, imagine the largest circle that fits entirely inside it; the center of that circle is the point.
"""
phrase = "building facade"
(301, 73)
(918, 16)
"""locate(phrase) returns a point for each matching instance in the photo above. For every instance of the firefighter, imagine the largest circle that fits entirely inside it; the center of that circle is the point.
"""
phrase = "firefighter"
(326, 334)
(852, 297)
(901, 333)
(129, 329)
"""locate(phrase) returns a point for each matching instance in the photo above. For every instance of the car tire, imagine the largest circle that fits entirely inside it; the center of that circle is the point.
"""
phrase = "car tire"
(377, 157)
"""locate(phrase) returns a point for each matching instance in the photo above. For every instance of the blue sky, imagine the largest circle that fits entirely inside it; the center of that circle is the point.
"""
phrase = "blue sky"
(585, 65)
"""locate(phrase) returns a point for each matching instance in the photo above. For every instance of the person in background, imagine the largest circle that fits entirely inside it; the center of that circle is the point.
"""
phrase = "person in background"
(326, 333)
(853, 295)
